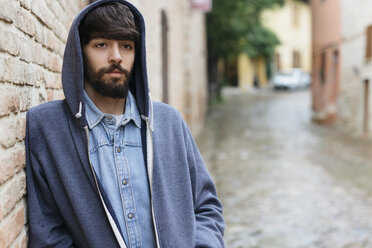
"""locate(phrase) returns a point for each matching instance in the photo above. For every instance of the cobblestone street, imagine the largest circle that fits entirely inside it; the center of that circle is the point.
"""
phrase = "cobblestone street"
(284, 181)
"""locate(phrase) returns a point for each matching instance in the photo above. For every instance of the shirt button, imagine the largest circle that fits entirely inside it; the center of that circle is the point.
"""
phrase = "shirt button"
(118, 149)
(130, 216)
(125, 181)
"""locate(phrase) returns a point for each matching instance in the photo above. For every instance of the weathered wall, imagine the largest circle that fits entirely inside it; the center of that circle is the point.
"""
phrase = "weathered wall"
(326, 58)
(187, 70)
(355, 18)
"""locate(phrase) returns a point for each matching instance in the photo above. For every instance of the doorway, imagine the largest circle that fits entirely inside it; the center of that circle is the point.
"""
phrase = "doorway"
(164, 53)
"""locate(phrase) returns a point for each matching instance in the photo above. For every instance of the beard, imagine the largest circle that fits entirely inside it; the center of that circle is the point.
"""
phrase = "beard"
(111, 87)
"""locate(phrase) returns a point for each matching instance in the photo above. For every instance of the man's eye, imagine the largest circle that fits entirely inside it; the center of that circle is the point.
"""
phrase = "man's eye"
(101, 45)
(127, 46)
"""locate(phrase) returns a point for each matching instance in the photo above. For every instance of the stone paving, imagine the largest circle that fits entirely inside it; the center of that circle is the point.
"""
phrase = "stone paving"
(284, 181)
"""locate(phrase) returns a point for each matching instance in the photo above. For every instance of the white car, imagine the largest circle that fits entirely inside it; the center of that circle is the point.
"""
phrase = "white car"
(292, 79)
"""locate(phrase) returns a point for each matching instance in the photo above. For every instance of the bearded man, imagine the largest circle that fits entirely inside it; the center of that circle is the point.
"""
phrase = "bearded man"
(106, 167)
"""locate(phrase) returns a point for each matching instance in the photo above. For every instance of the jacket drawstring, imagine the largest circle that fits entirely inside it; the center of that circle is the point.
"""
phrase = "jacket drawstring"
(151, 114)
(78, 114)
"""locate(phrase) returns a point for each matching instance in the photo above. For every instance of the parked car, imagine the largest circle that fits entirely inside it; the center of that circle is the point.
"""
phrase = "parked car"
(294, 78)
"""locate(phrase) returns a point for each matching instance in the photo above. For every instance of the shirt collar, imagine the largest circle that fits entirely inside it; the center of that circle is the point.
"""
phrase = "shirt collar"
(95, 116)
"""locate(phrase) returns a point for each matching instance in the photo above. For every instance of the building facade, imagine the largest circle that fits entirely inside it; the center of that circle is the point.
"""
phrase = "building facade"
(251, 70)
(292, 25)
(177, 57)
(33, 34)
(326, 57)
(354, 97)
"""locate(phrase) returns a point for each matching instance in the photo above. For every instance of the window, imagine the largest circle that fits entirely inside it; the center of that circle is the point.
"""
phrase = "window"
(369, 42)
(323, 68)
(366, 107)
(335, 57)
(164, 53)
(277, 62)
(296, 59)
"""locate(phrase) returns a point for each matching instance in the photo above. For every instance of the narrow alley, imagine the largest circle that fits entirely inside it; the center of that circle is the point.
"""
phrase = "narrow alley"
(284, 181)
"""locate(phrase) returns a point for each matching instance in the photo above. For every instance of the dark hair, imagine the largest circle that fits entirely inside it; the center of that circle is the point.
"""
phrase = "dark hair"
(109, 21)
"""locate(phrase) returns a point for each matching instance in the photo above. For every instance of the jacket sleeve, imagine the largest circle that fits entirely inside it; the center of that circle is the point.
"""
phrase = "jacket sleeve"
(208, 209)
(46, 225)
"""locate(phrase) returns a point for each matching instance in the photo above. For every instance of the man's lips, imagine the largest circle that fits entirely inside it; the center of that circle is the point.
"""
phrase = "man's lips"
(116, 73)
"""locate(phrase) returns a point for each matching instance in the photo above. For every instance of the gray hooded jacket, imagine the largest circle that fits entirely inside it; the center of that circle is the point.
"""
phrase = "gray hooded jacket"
(66, 205)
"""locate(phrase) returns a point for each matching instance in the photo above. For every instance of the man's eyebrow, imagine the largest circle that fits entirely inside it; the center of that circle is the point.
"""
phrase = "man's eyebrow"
(96, 38)
(105, 38)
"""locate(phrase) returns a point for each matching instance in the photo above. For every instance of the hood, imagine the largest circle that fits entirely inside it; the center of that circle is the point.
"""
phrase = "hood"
(73, 66)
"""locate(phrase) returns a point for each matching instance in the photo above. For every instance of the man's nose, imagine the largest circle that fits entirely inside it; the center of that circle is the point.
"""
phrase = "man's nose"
(115, 56)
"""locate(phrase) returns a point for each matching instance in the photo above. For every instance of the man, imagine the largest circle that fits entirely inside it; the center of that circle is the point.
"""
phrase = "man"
(105, 166)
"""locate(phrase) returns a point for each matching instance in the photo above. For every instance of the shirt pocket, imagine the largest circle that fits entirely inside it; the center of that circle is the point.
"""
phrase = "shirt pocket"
(100, 145)
(132, 136)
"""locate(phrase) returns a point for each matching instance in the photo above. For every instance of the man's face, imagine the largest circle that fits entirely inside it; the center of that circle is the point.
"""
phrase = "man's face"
(108, 64)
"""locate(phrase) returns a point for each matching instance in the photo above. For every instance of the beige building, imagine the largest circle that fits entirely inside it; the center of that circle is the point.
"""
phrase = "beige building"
(32, 39)
(249, 68)
(292, 25)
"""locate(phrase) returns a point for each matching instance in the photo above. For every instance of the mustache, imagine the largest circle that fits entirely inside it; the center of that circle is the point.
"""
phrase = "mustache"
(113, 67)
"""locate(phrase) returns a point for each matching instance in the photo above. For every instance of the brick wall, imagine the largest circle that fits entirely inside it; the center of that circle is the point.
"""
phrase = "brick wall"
(32, 38)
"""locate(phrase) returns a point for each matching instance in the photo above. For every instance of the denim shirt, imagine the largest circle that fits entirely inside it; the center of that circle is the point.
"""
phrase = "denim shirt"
(116, 154)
